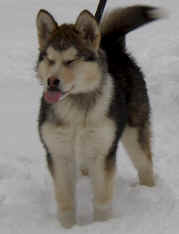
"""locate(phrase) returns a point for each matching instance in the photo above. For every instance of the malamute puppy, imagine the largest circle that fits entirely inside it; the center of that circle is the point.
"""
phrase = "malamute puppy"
(94, 94)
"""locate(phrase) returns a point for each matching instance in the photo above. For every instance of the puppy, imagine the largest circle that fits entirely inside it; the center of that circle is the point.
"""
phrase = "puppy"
(93, 95)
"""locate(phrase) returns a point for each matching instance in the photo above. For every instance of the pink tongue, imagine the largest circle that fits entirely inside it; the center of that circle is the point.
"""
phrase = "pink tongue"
(52, 96)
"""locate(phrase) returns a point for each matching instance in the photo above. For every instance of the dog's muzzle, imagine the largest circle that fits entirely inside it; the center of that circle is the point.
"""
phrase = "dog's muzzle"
(54, 93)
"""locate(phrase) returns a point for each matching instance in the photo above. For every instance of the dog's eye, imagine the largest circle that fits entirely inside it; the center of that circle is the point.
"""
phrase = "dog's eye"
(50, 61)
(69, 62)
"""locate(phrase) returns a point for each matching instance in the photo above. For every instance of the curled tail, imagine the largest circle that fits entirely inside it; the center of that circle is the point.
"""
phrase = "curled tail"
(121, 21)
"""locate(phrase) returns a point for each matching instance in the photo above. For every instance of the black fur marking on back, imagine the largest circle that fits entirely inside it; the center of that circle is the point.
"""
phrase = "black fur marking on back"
(128, 76)
(118, 113)
(130, 104)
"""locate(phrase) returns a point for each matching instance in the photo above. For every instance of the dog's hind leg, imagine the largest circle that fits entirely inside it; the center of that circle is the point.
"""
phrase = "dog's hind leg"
(136, 141)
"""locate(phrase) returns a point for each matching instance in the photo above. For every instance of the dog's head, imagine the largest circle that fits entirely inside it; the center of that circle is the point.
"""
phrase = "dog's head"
(68, 61)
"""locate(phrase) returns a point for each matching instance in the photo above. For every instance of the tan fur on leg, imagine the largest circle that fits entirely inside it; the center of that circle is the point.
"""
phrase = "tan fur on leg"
(64, 181)
(140, 154)
(103, 186)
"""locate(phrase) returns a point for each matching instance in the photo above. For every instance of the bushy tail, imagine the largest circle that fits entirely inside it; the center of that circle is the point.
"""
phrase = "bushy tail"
(121, 21)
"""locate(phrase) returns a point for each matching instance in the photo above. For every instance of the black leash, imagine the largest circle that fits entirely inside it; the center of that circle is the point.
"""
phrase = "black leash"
(100, 10)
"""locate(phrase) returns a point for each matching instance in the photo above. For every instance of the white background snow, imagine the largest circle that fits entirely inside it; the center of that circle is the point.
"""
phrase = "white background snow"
(27, 202)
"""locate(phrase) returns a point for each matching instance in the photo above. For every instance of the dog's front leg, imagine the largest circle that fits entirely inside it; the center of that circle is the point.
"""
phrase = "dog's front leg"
(102, 183)
(64, 181)
(58, 142)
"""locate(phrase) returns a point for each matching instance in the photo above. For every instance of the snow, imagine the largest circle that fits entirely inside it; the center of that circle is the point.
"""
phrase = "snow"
(27, 203)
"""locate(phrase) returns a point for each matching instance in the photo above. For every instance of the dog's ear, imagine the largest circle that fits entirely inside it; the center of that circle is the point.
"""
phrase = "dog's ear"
(88, 27)
(45, 26)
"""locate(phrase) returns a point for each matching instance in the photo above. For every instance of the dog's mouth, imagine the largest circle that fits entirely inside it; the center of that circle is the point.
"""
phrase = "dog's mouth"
(54, 95)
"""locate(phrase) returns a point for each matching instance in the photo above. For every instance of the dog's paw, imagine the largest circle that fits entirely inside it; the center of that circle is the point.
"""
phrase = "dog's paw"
(67, 219)
(147, 180)
(103, 213)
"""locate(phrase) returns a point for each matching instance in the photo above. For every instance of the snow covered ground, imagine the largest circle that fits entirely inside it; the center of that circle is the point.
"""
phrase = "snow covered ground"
(27, 202)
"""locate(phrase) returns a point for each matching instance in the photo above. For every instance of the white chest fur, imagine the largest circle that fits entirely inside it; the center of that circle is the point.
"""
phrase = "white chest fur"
(83, 136)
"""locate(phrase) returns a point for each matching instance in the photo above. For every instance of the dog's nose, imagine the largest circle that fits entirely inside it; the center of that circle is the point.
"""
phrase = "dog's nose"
(53, 82)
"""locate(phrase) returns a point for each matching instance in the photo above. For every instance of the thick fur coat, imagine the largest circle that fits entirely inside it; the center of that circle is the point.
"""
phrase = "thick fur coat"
(94, 94)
